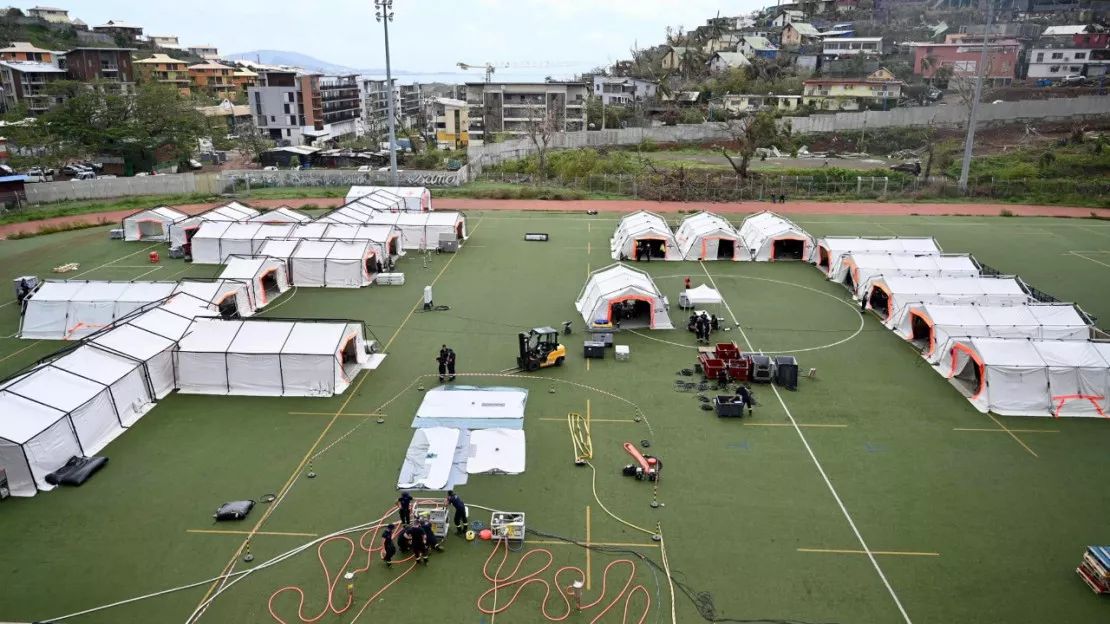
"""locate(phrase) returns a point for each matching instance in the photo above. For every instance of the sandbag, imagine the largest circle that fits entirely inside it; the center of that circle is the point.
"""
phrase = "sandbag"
(76, 471)
(235, 510)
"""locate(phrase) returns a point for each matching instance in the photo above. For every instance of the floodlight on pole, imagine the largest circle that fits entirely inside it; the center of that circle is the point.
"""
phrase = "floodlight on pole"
(384, 14)
(973, 117)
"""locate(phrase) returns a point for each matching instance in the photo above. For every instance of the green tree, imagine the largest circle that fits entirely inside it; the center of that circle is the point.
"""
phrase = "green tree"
(752, 133)
(249, 142)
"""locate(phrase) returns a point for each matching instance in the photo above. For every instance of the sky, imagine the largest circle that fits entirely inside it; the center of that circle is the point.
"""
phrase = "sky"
(425, 36)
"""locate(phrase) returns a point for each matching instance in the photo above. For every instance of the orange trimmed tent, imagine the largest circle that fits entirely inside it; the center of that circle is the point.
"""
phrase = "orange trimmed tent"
(771, 237)
(644, 230)
(706, 236)
(619, 285)
(268, 277)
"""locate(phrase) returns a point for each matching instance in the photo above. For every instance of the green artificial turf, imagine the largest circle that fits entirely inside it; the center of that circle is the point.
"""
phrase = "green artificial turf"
(996, 529)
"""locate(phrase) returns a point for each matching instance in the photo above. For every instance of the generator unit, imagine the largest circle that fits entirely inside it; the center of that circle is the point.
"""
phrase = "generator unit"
(507, 525)
(435, 514)
(24, 286)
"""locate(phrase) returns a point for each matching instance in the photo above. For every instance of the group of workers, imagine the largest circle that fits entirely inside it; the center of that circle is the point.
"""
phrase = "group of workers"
(418, 538)
(703, 325)
(446, 361)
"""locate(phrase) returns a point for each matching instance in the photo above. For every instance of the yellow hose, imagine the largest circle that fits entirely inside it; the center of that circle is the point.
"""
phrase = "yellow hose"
(580, 437)
(593, 483)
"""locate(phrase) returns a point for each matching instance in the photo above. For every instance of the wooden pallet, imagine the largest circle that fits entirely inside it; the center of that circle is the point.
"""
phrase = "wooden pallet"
(66, 268)
(1095, 586)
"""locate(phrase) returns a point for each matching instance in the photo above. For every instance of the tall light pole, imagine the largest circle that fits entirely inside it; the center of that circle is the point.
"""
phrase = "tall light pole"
(965, 168)
(384, 14)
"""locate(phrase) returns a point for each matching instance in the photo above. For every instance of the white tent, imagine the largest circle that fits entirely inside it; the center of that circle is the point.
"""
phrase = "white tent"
(362, 209)
(417, 198)
(423, 230)
(315, 229)
(269, 358)
(73, 309)
(700, 295)
(268, 277)
(283, 214)
(889, 297)
(1022, 377)
(933, 326)
(206, 241)
(642, 232)
(619, 284)
(855, 270)
(387, 239)
(706, 236)
(829, 250)
(153, 350)
(153, 224)
(35, 440)
(216, 241)
(216, 297)
(331, 263)
(183, 231)
(771, 237)
(282, 249)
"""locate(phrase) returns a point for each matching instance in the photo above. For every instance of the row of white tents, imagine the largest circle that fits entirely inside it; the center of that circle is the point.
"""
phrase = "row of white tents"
(1004, 349)
(193, 340)
(706, 236)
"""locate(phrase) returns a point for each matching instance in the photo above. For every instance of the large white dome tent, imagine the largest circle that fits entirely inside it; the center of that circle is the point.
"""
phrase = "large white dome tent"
(152, 224)
(268, 277)
(417, 198)
(889, 297)
(770, 237)
(65, 310)
(183, 231)
(829, 250)
(620, 285)
(856, 270)
(706, 236)
(270, 357)
(642, 232)
(933, 326)
(1026, 377)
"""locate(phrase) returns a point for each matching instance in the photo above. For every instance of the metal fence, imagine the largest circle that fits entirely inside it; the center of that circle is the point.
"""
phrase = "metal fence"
(728, 188)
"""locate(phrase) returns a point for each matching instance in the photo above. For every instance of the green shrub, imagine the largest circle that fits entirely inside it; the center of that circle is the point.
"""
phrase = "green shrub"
(1006, 213)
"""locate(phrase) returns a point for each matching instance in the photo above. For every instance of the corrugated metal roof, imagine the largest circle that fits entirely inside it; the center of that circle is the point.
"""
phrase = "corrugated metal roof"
(1064, 30)
(32, 67)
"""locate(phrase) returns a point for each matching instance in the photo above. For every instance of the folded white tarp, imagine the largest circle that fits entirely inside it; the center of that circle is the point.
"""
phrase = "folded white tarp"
(616, 284)
(855, 270)
(417, 198)
(471, 402)
(151, 225)
(74, 309)
(829, 250)
(771, 237)
(429, 459)
(496, 451)
(641, 230)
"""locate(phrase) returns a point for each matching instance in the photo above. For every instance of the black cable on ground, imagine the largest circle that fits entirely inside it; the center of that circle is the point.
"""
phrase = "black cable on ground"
(703, 601)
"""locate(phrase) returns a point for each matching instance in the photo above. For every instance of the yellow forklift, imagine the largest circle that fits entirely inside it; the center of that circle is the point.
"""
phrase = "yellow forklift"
(540, 348)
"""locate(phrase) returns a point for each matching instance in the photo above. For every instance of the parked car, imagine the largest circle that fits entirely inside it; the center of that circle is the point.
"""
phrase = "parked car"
(1073, 80)
(195, 164)
(85, 175)
(73, 169)
(365, 169)
(38, 174)
(270, 168)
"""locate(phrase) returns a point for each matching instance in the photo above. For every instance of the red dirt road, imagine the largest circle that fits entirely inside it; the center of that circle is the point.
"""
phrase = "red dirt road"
(789, 208)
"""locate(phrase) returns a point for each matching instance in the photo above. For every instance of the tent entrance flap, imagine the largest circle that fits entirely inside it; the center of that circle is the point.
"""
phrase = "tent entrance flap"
(879, 301)
(726, 249)
(151, 228)
(823, 258)
(651, 248)
(348, 356)
(631, 313)
(788, 249)
(969, 379)
(270, 287)
(921, 333)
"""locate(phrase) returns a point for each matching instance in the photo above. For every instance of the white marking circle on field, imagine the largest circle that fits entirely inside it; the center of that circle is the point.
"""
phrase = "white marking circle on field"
(850, 305)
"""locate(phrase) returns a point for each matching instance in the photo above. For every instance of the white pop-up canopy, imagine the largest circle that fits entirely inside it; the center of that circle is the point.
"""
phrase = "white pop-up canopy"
(66, 310)
(618, 285)
(706, 236)
(855, 270)
(331, 263)
(183, 231)
(642, 233)
(283, 214)
(933, 326)
(700, 295)
(1024, 377)
(889, 297)
(829, 250)
(269, 358)
(417, 198)
(771, 237)
(268, 277)
(152, 224)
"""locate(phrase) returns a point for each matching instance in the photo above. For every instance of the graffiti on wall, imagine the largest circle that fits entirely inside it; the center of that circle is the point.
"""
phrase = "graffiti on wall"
(262, 179)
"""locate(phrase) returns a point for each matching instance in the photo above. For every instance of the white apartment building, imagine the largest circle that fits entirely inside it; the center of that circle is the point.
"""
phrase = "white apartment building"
(206, 52)
(305, 109)
(1055, 63)
(509, 108)
(623, 91)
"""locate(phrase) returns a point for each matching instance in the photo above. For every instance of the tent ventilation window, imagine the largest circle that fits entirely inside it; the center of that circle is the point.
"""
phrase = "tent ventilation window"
(880, 301)
(788, 249)
(631, 314)
(726, 249)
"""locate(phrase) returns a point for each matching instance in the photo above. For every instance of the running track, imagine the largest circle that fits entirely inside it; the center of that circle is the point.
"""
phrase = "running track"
(789, 208)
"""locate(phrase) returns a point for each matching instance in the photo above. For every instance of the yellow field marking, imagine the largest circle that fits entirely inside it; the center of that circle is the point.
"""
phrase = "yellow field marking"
(791, 425)
(1079, 255)
(588, 420)
(587, 365)
(587, 269)
(1025, 446)
(588, 250)
(906, 553)
(10, 356)
(608, 544)
(588, 228)
(1012, 430)
(279, 533)
(332, 414)
(316, 444)
(589, 567)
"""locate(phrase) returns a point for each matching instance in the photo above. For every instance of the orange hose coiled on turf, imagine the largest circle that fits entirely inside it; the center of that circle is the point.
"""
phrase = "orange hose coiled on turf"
(501, 583)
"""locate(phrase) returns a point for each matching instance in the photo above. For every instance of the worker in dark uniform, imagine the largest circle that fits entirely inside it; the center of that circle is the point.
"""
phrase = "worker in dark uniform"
(745, 395)
(442, 361)
(418, 544)
(460, 511)
(863, 304)
(705, 326)
(450, 365)
(404, 508)
(429, 535)
(714, 323)
(404, 541)
(388, 548)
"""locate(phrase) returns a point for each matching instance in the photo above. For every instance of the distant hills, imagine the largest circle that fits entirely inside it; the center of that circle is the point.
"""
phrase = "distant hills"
(304, 61)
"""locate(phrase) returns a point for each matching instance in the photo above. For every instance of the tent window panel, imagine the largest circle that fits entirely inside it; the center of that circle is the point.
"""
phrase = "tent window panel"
(726, 249)
(879, 301)
(788, 249)
(631, 314)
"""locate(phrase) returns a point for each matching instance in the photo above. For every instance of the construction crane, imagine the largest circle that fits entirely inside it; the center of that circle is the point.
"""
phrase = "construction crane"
(490, 68)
